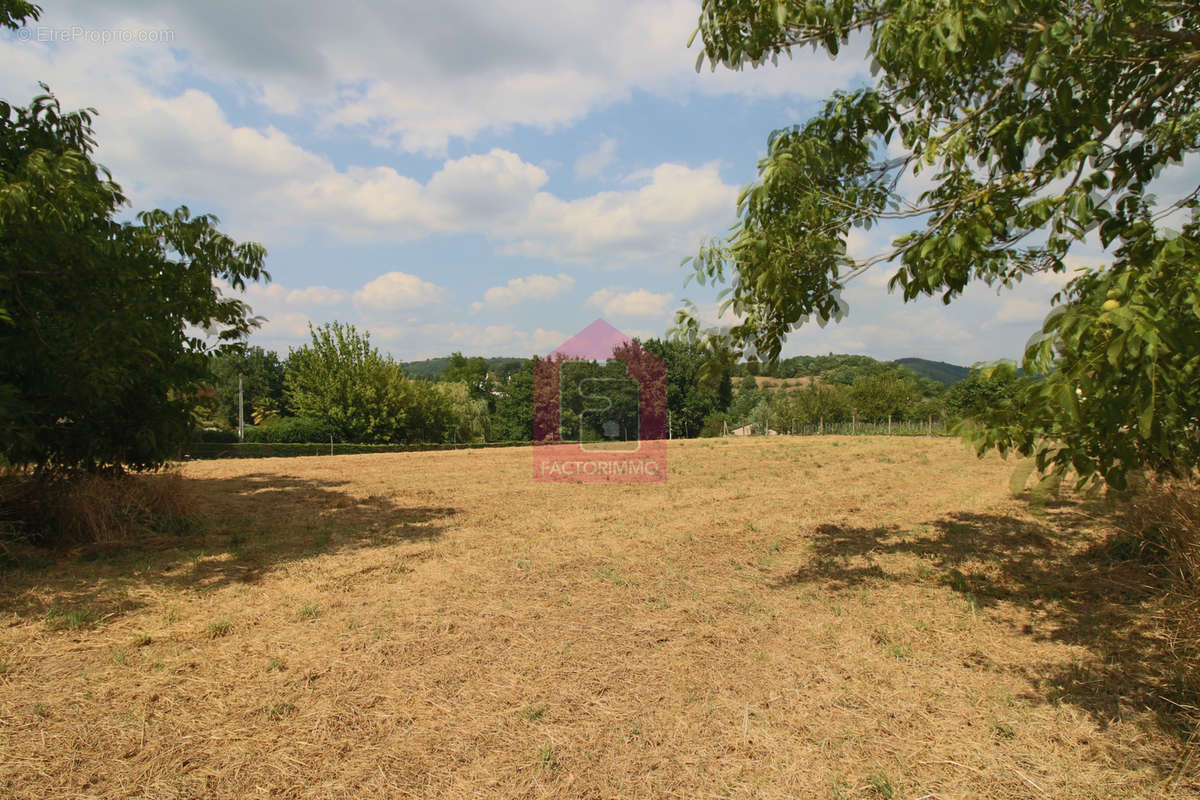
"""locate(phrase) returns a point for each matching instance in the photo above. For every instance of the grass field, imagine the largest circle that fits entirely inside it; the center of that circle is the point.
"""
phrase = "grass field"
(784, 618)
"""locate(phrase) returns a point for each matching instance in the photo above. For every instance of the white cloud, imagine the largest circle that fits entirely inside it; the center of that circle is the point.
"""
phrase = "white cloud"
(592, 164)
(394, 291)
(1016, 309)
(282, 329)
(415, 77)
(167, 146)
(277, 297)
(439, 338)
(665, 218)
(638, 303)
(309, 296)
(532, 287)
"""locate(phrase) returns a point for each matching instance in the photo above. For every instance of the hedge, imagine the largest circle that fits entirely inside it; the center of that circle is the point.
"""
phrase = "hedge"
(202, 450)
(289, 430)
(218, 437)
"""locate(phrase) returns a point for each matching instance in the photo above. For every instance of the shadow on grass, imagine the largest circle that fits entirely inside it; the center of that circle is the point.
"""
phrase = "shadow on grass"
(241, 529)
(1083, 589)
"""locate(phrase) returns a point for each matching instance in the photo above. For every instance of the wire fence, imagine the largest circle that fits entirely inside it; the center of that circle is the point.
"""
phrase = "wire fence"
(925, 427)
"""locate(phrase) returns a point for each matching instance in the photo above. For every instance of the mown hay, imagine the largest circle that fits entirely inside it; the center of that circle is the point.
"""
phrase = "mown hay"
(819, 617)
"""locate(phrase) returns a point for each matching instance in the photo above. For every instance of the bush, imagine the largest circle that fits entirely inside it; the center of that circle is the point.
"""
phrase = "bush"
(284, 430)
(217, 437)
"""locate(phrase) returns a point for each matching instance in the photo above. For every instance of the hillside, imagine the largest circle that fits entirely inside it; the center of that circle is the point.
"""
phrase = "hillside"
(432, 368)
(836, 368)
(938, 371)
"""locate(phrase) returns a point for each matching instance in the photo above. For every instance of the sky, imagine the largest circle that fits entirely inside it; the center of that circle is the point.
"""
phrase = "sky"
(487, 177)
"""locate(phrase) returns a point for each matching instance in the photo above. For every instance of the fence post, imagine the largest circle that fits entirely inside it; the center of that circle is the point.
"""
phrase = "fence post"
(889, 424)
(853, 422)
(931, 424)
(821, 426)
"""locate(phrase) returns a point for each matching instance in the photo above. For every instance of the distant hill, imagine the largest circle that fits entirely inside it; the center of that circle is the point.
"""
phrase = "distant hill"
(939, 371)
(432, 368)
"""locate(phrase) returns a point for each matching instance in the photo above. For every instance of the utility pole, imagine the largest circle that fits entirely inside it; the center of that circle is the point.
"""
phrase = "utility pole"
(241, 412)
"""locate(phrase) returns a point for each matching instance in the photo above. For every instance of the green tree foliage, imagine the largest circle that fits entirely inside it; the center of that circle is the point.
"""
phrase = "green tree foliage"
(14, 13)
(883, 395)
(468, 419)
(513, 420)
(715, 424)
(984, 392)
(1035, 124)
(818, 402)
(940, 371)
(340, 379)
(262, 374)
(101, 359)
(874, 395)
(1121, 364)
(598, 401)
(745, 399)
(690, 399)
(473, 372)
(435, 368)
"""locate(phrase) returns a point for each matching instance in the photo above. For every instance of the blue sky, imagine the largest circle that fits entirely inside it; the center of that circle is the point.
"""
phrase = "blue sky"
(485, 177)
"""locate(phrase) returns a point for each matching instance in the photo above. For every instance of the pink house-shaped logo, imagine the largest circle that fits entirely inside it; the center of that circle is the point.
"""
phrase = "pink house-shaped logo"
(600, 410)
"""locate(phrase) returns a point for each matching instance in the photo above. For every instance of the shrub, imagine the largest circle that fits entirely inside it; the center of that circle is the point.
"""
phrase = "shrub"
(283, 430)
(217, 437)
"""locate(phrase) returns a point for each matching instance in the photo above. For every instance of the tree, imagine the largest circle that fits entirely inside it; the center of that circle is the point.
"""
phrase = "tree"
(689, 399)
(101, 364)
(746, 399)
(882, 395)
(819, 402)
(598, 401)
(513, 421)
(340, 379)
(471, 371)
(467, 418)
(1038, 124)
(983, 392)
(262, 384)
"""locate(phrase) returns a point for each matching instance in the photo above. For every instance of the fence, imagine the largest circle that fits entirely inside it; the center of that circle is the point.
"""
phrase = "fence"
(925, 427)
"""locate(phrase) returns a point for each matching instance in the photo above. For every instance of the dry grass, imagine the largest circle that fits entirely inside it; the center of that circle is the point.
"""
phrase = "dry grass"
(93, 509)
(817, 617)
(1165, 523)
(768, 382)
